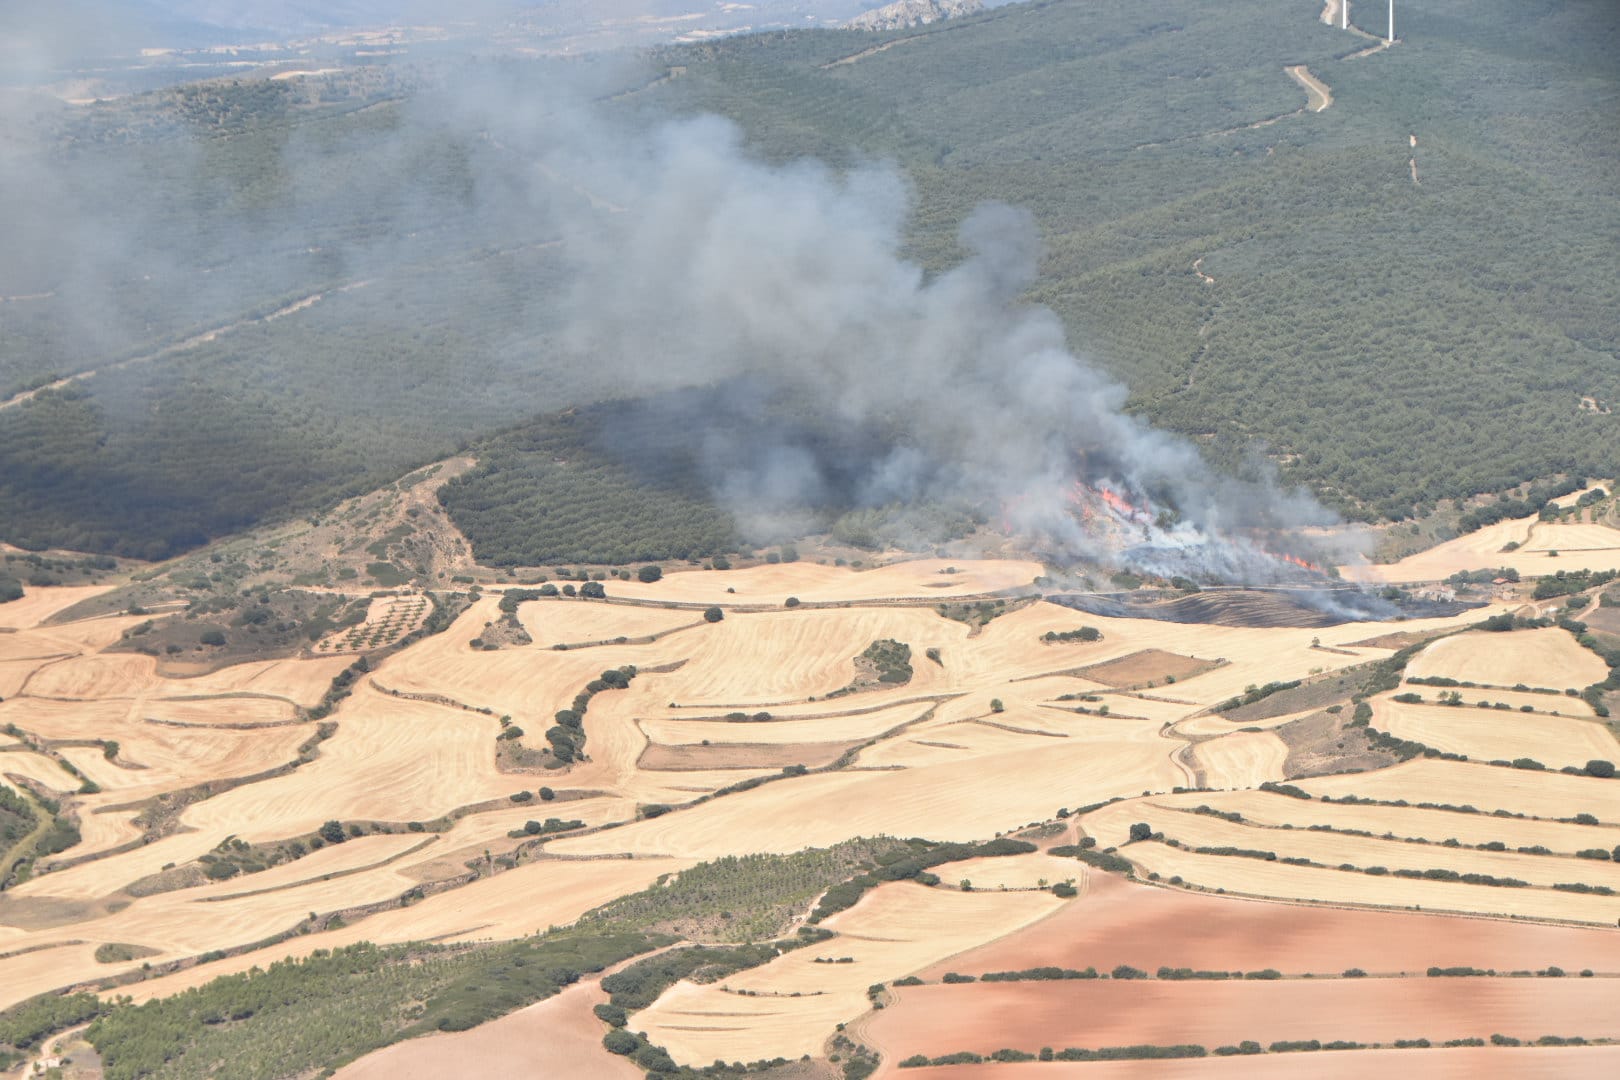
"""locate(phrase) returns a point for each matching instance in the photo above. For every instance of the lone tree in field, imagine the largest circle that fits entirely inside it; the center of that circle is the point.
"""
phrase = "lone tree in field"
(713, 614)
(1141, 831)
(650, 573)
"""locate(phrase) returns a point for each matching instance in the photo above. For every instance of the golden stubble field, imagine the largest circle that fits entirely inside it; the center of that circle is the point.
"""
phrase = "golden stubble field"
(995, 730)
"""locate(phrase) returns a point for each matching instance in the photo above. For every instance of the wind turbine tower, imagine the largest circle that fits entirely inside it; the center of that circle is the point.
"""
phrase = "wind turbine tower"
(1391, 39)
(1344, 14)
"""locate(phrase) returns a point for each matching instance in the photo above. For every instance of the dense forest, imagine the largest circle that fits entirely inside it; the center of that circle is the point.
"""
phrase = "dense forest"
(1288, 287)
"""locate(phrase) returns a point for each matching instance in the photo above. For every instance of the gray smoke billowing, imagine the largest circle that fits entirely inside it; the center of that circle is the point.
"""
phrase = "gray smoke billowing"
(686, 262)
(712, 265)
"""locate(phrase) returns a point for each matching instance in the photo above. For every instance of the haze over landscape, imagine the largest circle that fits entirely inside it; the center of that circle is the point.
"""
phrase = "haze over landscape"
(809, 539)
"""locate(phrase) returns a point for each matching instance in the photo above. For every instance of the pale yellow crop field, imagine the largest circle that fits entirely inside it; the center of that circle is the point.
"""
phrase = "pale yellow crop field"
(416, 741)
(392, 759)
(892, 931)
(1334, 849)
(672, 731)
(1483, 550)
(1403, 822)
(1582, 538)
(1241, 760)
(574, 622)
(1011, 871)
(773, 584)
(1253, 877)
(1548, 657)
(1487, 787)
(511, 904)
(969, 798)
(1497, 734)
(39, 603)
(1550, 704)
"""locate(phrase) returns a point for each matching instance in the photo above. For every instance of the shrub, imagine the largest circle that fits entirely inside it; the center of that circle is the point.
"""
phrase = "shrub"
(1599, 767)
(620, 1041)
(649, 573)
(713, 614)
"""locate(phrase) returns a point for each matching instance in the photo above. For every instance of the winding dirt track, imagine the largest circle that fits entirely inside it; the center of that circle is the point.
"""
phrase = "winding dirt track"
(1317, 90)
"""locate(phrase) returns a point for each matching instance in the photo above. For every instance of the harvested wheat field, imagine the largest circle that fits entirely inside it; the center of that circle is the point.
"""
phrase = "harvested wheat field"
(1546, 536)
(577, 622)
(1123, 922)
(558, 1037)
(931, 579)
(1488, 788)
(1459, 1063)
(983, 1018)
(1336, 849)
(39, 603)
(523, 901)
(892, 931)
(1483, 550)
(1549, 658)
(1498, 734)
(1278, 880)
(1401, 822)
(1241, 760)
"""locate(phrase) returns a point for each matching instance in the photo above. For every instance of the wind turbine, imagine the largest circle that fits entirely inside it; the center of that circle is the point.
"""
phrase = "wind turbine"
(1344, 14)
(1390, 40)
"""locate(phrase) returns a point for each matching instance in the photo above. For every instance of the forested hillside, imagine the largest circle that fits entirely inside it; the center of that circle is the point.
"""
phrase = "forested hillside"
(1394, 323)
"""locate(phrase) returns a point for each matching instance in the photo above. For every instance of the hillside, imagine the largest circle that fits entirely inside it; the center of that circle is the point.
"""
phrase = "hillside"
(1262, 276)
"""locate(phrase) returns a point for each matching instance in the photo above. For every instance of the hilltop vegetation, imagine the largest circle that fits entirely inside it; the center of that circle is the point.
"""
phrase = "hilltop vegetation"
(1389, 343)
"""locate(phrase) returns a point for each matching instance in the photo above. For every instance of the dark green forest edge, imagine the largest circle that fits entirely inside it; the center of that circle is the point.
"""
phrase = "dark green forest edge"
(1390, 344)
(298, 1017)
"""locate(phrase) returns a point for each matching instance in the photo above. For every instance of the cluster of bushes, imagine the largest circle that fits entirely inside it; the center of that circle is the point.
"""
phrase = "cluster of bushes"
(1482, 577)
(1533, 502)
(1088, 854)
(1570, 582)
(891, 659)
(1084, 633)
(342, 686)
(1074, 1053)
(1256, 693)
(567, 736)
(1039, 974)
(545, 828)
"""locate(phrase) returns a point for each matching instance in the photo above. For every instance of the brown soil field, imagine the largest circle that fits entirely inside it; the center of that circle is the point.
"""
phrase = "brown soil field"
(1122, 922)
(1544, 658)
(985, 1017)
(1461, 1063)
(1148, 666)
(558, 1037)
(1498, 735)
(892, 931)
(1242, 760)
(1455, 783)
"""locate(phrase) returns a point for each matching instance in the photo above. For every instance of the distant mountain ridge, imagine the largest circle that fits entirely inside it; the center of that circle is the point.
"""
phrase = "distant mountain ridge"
(904, 13)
